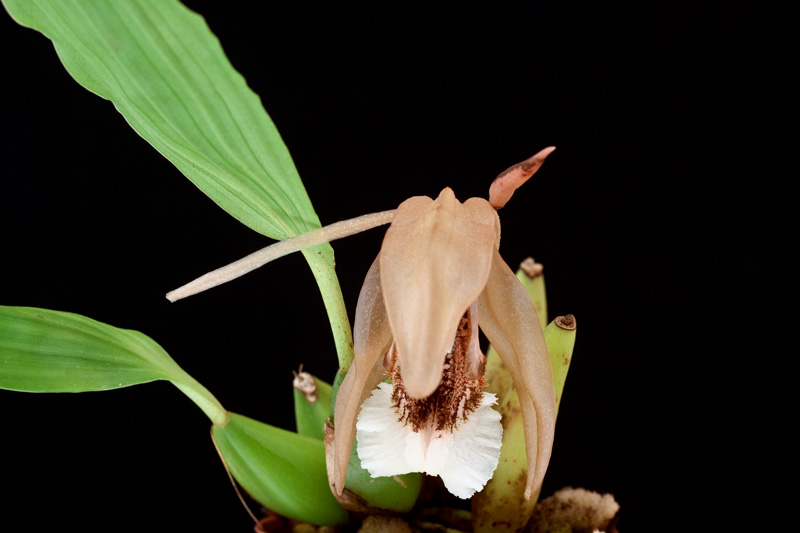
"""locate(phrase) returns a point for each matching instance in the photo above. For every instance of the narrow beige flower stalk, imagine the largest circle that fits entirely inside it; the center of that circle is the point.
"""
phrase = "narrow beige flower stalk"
(257, 259)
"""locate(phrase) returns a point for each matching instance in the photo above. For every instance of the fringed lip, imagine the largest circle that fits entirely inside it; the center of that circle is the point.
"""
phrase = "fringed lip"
(464, 457)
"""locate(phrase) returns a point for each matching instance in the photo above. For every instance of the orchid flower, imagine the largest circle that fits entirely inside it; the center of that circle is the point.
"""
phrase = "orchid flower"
(437, 280)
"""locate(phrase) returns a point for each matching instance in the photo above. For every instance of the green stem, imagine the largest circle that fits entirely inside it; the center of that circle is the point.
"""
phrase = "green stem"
(202, 398)
(320, 259)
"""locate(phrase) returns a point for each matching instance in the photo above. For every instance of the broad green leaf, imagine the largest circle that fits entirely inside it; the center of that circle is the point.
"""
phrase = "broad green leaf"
(53, 351)
(282, 470)
(164, 70)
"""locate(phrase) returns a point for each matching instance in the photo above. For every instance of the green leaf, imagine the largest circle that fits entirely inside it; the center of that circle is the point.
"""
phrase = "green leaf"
(560, 337)
(164, 70)
(53, 351)
(282, 470)
(532, 278)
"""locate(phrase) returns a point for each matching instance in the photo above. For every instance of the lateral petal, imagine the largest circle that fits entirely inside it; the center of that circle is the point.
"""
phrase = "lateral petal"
(509, 320)
(435, 261)
(371, 339)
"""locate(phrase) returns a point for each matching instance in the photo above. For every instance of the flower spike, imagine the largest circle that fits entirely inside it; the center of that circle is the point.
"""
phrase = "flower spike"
(257, 259)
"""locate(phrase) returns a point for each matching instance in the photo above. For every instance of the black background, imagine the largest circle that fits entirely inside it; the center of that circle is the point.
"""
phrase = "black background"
(650, 219)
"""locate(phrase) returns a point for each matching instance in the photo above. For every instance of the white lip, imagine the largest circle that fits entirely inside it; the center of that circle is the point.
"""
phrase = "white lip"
(464, 458)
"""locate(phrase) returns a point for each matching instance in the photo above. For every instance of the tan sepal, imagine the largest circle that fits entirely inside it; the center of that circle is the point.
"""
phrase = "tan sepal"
(508, 318)
(371, 339)
(347, 499)
(435, 261)
(512, 178)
